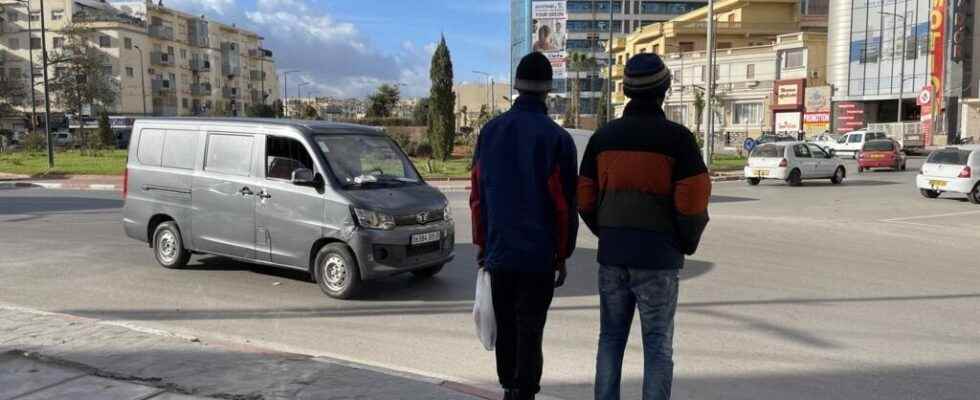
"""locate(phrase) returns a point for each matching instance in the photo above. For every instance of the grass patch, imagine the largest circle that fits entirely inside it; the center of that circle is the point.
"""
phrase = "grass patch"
(110, 162)
(455, 167)
(723, 162)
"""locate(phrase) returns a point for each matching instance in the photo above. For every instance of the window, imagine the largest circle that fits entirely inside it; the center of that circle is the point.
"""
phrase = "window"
(105, 41)
(183, 54)
(13, 16)
(686, 46)
(949, 157)
(184, 103)
(768, 151)
(793, 59)
(13, 43)
(879, 145)
(106, 71)
(58, 42)
(178, 149)
(35, 43)
(677, 113)
(57, 15)
(724, 45)
(801, 151)
(856, 138)
(283, 156)
(229, 154)
(35, 16)
(150, 147)
(359, 159)
(15, 73)
(129, 72)
(817, 151)
(128, 43)
(747, 113)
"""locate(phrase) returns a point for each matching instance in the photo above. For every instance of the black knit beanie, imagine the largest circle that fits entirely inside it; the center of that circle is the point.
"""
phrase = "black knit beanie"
(646, 76)
(533, 74)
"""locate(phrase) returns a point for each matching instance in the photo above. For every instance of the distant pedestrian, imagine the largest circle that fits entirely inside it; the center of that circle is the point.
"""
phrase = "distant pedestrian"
(524, 222)
(644, 191)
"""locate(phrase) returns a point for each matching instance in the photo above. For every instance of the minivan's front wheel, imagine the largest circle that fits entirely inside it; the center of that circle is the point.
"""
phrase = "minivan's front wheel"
(168, 246)
(336, 271)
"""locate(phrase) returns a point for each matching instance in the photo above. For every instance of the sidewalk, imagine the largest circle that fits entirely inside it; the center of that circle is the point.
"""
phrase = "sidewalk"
(56, 356)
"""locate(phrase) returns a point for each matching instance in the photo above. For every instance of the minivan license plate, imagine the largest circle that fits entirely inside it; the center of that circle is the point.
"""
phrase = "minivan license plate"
(428, 237)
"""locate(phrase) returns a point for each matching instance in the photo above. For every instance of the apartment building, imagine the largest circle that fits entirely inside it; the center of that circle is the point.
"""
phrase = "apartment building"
(767, 55)
(166, 62)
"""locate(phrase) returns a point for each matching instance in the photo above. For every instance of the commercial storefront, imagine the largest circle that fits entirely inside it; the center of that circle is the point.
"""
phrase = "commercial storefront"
(788, 107)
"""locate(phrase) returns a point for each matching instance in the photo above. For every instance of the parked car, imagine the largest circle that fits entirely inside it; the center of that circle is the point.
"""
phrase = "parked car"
(773, 138)
(63, 139)
(793, 162)
(951, 170)
(852, 142)
(881, 153)
(341, 202)
(825, 140)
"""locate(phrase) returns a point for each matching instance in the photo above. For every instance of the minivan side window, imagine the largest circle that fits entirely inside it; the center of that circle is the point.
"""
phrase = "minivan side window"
(843, 139)
(229, 154)
(150, 147)
(283, 156)
(179, 149)
(855, 138)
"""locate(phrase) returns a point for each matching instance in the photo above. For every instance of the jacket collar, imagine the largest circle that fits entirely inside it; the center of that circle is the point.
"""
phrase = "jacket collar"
(643, 108)
(530, 103)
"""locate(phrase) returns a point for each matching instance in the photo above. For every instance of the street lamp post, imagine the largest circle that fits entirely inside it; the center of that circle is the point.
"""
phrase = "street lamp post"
(492, 97)
(285, 89)
(299, 97)
(901, 79)
(47, 99)
(709, 131)
(142, 78)
(30, 60)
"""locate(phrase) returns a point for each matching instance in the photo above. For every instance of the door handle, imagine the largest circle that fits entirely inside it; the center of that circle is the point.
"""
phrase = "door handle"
(245, 191)
(264, 195)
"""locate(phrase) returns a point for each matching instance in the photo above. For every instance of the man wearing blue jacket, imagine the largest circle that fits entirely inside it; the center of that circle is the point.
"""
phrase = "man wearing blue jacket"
(525, 225)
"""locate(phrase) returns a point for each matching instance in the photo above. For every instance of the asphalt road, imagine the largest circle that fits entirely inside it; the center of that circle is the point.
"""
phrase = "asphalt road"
(860, 291)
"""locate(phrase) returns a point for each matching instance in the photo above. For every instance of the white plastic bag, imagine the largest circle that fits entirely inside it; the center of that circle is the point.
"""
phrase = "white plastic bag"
(486, 321)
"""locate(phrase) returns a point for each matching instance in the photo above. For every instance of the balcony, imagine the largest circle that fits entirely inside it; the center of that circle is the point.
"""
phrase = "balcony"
(257, 75)
(162, 59)
(162, 32)
(231, 70)
(163, 87)
(735, 28)
(201, 89)
(229, 92)
(199, 65)
(617, 71)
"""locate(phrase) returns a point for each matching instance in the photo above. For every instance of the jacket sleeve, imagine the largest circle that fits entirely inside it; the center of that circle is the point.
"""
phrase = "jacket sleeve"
(476, 207)
(561, 186)
(588, 190)
(692, 190)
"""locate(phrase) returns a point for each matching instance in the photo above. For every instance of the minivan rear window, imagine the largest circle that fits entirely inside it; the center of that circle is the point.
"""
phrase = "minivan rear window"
(768, 151)
(949, 157)
(150, 147)
(879, 145)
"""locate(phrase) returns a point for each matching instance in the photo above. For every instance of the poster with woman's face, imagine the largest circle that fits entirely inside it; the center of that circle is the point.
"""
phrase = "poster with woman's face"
(549, 35)
(549, 31)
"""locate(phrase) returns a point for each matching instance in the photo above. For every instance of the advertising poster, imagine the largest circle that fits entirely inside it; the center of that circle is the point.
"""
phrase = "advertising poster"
(848, 116)
(549, 32)
(788, 123)
(937, 46)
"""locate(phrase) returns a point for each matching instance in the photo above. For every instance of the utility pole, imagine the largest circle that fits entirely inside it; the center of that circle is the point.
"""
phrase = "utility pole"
(47, 99)
(285, 91)
(709, 131)
(901, 82)
(142, 78)
(609, 59)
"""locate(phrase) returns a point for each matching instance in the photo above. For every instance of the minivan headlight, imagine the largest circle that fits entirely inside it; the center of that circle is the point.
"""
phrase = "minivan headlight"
(447, 213)
(374, 220)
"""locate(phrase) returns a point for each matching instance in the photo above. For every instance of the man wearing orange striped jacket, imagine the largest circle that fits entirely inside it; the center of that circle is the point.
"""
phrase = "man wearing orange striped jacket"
(643, 190)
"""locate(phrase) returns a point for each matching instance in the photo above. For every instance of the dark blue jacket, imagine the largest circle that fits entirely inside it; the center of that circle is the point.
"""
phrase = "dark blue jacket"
(523, 199)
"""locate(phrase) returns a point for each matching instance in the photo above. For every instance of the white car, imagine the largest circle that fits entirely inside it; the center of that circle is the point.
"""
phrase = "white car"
(953, 170)
(852, 142)
(826, 140)
(793, 162)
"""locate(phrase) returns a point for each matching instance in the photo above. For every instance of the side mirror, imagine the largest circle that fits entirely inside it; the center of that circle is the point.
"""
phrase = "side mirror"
(831, 153)
(303, 177)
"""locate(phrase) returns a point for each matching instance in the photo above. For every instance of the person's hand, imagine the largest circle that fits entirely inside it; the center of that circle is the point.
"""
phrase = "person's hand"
(562, 272)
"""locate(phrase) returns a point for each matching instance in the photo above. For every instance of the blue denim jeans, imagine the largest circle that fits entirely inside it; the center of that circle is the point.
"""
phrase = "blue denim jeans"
(654, 293)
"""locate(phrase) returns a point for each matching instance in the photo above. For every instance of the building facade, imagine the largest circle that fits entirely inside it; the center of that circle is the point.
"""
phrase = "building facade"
(588, 30)
(471, 97)
(165, 62)
(768, 54)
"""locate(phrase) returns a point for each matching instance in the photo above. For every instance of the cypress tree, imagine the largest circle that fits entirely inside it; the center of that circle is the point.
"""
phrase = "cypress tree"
(442, 102)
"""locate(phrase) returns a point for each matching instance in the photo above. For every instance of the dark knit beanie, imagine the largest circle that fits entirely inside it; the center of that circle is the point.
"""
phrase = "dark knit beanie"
(533, 74)
(646, 75)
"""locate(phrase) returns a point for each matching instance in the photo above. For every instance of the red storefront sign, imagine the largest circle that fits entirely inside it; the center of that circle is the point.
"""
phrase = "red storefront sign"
(937, 45)
(848, 116)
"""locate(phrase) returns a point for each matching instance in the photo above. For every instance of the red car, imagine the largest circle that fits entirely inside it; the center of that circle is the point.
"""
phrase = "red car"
(881, 153)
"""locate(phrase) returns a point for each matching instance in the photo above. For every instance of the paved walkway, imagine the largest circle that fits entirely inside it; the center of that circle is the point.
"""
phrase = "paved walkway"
(55, 356)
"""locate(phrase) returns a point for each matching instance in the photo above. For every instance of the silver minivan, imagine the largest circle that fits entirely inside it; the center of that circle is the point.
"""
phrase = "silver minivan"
(340, 201)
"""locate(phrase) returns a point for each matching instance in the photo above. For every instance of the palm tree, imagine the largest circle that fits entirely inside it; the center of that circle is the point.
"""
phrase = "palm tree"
(576, 62)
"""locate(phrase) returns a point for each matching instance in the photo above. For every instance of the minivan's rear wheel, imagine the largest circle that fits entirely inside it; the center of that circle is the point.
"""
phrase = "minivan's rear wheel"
(974, 196)
(428, 272)
(168, 246)
(754, 181)
(795, 178)
(929, 194)
(336, 271)
(838, 177)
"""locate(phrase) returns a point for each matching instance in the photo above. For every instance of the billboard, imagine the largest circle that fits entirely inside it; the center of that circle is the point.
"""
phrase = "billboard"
(848, 116)
(937, 46)
(788, 123)
(132, 8)
(549, 32)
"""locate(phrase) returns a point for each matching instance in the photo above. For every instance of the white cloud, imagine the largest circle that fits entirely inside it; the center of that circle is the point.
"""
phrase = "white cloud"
(205, 6)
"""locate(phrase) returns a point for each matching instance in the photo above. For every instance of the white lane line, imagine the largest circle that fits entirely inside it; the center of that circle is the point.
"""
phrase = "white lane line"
(931, 216)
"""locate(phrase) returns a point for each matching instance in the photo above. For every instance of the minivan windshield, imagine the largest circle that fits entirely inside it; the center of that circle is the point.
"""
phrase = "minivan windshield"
(768, 151)
(362, 161)
(949, 157)
(879, 145)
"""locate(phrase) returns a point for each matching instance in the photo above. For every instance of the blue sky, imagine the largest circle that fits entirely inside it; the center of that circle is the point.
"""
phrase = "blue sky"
(346, 48)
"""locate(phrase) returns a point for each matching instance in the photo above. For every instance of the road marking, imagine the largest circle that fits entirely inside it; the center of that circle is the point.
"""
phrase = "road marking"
(931, 216)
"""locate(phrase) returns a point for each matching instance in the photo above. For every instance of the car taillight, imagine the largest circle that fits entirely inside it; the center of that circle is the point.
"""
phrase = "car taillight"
(860, 154)
(783, 163)
(125, 182)
(966, 172)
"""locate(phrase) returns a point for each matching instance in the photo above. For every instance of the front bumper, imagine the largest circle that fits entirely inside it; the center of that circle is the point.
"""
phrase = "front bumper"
(953, 185)
(384, 253)
(780, 173)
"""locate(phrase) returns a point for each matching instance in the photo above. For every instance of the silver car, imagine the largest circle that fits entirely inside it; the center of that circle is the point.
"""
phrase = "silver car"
(342, 202)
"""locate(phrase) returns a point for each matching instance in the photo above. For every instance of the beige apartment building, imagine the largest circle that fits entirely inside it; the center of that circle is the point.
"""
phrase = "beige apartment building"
(767, 55)
(166, 62)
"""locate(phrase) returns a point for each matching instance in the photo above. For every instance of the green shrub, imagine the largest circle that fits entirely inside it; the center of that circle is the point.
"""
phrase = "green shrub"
(34, 142)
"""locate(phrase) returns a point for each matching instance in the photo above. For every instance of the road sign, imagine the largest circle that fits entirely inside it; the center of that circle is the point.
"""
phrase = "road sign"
(925, 96)
(749, 144)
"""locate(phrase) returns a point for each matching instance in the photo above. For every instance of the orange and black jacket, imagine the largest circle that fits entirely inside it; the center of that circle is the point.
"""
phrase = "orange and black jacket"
(643, 189)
